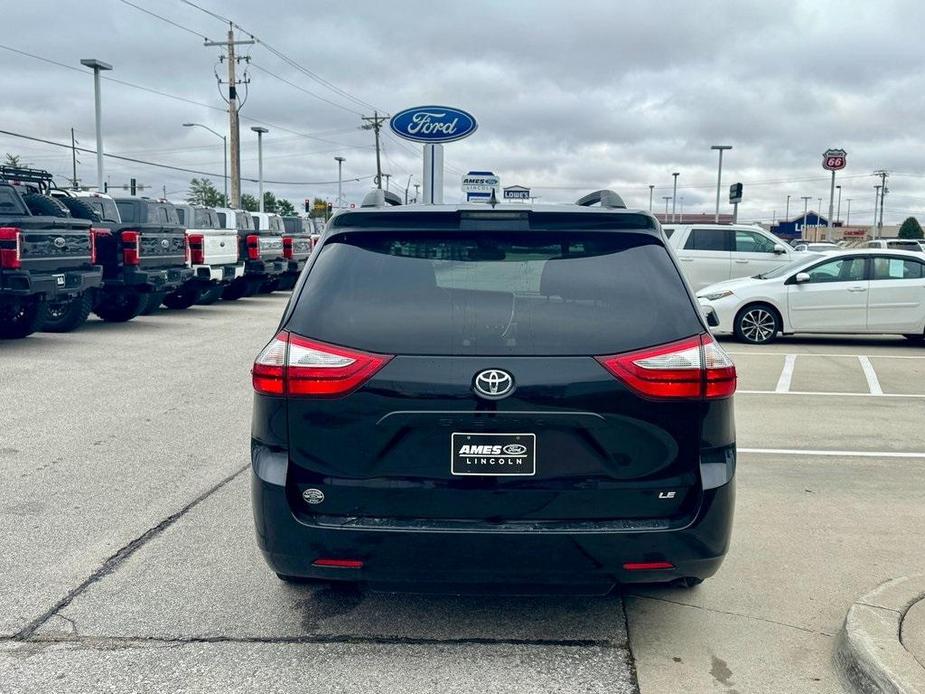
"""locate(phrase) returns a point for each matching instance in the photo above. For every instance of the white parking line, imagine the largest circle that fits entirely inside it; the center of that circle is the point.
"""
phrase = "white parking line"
(840, 454)
(873, 383)
(786, 374)
(832, 394)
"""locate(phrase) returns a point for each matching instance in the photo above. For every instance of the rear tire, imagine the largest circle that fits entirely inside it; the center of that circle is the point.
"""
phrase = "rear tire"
(182, 298)
(19, 319)
(118, 307)
(154, 301)
(210, 295)
(235, 290)
(63, 317)
(757, 324)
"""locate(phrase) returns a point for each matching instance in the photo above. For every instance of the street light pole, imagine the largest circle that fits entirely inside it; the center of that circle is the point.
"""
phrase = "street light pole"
(97, 66)
(787, 213)
(838, 209)
(651, 190)
(340, 180)
(224, 140)
(848, 214)
(805, 210)
(666, 198)
(417, 188)
(674, 196)
(719, 176)
(260, 133)
(818, 214)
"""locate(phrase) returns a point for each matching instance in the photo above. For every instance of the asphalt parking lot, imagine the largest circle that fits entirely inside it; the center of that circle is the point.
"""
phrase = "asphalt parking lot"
(128, 561)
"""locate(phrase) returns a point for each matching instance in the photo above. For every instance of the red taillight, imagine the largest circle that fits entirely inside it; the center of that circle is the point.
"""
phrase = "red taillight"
(95, 234)
(648, 565)
(131, 247)
(10, 248)
(253, 247)
(694, 368)
(339, 563)
(293, 365)
(287, 247)
(196, 245)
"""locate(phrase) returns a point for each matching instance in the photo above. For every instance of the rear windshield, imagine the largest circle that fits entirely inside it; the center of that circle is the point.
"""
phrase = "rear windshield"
(494, 293)
(9, 202)
(127, 211)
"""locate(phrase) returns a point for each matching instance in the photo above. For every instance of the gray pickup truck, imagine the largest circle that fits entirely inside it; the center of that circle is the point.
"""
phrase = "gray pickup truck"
(48, 270)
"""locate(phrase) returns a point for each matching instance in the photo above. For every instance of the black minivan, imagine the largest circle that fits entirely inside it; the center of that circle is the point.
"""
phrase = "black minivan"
(475, 395)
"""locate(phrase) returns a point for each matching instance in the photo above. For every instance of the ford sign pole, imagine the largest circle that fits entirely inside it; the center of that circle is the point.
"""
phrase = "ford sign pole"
(433, 174)
(432, 126)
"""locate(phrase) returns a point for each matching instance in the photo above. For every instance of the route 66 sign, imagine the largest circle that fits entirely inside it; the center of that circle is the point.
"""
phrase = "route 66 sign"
(834, 159)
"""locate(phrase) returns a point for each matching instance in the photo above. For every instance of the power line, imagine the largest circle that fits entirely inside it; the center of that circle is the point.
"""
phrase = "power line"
(306, 91)
(172, 167)
(164, 19)
(208, 12)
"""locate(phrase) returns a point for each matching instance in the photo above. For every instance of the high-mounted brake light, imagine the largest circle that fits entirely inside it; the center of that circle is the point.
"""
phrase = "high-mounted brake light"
(10, 248)
(294, 365)
(131, 247)
(287, 247)
(253, 246)
(694, 368)
(196, 245)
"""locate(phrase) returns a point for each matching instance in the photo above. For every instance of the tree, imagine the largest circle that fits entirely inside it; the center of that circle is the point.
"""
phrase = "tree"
(911, 229)
(249, 202)
(203, 192)
(284, 207)
(269, 202)
(12, 160)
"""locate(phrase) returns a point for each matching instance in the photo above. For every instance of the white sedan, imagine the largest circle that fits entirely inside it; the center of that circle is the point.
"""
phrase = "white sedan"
(865, 291)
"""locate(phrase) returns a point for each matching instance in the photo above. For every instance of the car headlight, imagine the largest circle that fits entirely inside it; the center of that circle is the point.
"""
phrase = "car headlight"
(716, 295)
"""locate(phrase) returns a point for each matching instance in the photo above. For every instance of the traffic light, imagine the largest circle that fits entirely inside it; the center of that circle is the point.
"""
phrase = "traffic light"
(308, 204)
(330, 209)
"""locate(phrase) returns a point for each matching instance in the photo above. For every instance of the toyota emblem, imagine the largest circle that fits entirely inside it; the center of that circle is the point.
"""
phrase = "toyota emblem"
(493, 384)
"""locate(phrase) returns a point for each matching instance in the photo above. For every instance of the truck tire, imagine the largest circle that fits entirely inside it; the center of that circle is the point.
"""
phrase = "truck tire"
(65, 316)
(210, 295)
(182, 298)
(235, 290)
(79, 209)
(44, 205)
(269, 286)
(286, 282)
(153, 302)
(118, 307)
(21, 318)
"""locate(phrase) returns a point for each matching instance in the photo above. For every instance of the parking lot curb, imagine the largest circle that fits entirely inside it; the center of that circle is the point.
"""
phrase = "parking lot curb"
(870, 654)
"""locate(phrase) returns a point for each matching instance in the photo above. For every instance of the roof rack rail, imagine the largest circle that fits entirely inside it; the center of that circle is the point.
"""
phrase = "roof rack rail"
(380, 198)
(21, 174)
(607, 198)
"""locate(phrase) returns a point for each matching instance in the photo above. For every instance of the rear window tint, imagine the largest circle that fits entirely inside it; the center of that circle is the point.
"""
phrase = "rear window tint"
(494, 293)
(707, 240)
(127, 211)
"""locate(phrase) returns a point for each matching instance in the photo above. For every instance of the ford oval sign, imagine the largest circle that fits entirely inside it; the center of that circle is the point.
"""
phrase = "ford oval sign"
(433, 124)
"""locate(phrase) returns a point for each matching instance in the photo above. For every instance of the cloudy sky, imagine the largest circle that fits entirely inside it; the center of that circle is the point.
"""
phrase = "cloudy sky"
(570, 97)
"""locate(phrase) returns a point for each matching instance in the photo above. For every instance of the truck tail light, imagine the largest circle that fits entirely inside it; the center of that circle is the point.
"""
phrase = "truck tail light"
(287, 247)
(253, 247)
(294, 365)
(95, 235)
(131, 247)
(10, 248)
(693, 368)
(196, 245)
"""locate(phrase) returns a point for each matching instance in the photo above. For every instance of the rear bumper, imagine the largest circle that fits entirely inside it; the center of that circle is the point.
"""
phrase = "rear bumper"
(438, 553)
(209, 274)
(51, 285)
(160, 280)
(270, 268)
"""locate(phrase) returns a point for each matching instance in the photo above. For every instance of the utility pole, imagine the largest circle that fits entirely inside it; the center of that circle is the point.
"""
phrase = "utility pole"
(674, 195)
(73, 161)
(374, 123)
(719, 176)
(651, 190)
(848, 214)
(883, 191)
(876, 202)
(234, 134)
(805, 210)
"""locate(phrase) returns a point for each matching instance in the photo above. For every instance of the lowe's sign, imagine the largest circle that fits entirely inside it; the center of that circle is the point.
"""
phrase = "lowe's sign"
(433, 124)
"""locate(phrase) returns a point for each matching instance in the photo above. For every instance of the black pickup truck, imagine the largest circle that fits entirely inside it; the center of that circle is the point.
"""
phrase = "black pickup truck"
(144, 258)
(262, 252)
(47, 266)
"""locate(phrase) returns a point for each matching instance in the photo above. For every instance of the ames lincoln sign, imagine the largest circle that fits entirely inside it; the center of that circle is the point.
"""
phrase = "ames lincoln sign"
(433, 124)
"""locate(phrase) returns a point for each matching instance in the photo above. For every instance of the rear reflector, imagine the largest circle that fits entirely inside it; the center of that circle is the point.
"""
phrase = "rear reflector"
(648, 565)
(131, 247)
(196, 244)
(339, 563)
(693, 368)
(287, 247)
(10, 248)
(294, 365)
(95, 235)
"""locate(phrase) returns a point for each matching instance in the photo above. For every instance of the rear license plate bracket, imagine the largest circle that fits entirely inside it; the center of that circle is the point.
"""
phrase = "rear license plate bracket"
(492, 455)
